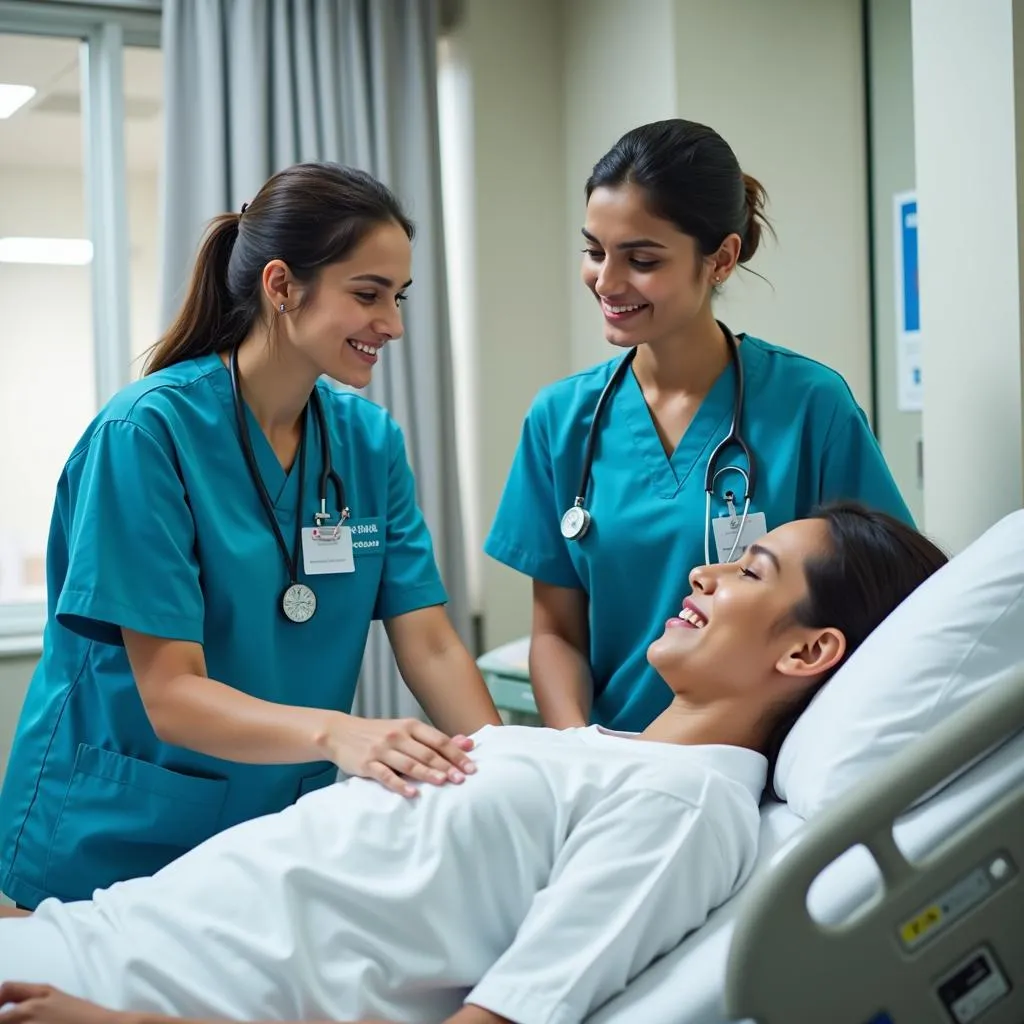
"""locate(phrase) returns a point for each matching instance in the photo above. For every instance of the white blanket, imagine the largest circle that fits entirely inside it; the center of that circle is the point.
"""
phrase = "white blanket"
(538, 889)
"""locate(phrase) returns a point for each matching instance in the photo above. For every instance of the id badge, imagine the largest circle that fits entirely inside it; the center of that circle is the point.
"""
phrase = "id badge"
(327, 550)
(726, 528)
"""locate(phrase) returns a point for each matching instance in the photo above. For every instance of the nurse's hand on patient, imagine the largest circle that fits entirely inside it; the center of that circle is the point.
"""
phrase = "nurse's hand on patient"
(22, 1003)
(395, 751)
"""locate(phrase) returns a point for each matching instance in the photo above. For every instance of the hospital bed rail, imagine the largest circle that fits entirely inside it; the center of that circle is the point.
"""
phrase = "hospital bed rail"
(944, 939)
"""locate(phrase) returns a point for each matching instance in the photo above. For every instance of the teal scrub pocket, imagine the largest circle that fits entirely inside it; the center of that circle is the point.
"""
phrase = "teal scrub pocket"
(311, 783)
(123, 818)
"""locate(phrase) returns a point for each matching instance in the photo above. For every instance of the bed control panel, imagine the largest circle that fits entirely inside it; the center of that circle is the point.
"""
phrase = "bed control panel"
(973, 888)
(972, 986)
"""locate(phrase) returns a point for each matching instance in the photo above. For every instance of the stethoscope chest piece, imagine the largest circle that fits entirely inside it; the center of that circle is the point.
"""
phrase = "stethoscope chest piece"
(575, 522)
(298, 603)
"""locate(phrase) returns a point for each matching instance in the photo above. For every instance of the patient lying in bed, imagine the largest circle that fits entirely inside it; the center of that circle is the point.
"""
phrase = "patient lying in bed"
(531, 894)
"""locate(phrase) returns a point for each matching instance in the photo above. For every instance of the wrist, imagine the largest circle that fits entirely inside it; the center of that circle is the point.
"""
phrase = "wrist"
(327, 734)
(565, 718)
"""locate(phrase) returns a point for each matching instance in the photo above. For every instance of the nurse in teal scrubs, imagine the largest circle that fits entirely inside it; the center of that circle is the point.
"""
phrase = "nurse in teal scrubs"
(670, 217)
(223, 535)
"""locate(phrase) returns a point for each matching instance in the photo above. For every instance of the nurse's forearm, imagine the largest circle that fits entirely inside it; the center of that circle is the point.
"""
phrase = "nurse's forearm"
(452, 692)
(207, 716)
(562, 683)
(440, 672)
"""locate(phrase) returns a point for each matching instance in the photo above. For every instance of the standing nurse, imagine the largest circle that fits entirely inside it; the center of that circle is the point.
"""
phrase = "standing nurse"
(669, 217)
(223, 535)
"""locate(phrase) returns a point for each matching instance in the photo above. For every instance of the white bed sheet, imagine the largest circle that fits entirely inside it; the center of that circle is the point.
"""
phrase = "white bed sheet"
(687, 986)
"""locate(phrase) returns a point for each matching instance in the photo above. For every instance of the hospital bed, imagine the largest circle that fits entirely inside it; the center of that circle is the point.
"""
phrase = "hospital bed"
(926, 927)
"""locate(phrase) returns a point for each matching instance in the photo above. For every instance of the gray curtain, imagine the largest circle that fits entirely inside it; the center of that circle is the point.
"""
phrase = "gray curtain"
(253, 86)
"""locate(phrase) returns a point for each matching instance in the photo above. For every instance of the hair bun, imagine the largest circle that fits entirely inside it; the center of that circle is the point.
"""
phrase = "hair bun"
(757, 221)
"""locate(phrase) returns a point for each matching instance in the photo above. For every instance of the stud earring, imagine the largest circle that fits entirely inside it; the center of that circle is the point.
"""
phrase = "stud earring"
(281, 307)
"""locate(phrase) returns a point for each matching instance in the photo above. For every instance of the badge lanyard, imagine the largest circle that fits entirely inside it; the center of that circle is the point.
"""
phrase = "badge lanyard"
(298, 602)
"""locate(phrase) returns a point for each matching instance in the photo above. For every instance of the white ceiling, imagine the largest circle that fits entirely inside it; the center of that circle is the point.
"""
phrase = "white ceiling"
(47, 131)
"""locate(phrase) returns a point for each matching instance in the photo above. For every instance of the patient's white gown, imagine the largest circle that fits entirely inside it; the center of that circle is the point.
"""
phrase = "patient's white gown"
(536, 889)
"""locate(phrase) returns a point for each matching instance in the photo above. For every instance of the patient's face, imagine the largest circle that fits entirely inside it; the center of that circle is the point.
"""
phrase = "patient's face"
(734, 635)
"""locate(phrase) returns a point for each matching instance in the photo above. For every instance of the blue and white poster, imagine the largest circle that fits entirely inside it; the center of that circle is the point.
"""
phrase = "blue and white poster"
(909, 394)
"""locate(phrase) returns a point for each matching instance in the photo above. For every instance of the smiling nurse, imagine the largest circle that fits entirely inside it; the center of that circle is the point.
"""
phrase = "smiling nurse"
(606, 532)
(224, 534)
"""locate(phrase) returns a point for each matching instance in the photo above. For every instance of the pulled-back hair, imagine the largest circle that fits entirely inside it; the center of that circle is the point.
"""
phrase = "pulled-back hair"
(690, 177)
(308, 215)
(873, 562)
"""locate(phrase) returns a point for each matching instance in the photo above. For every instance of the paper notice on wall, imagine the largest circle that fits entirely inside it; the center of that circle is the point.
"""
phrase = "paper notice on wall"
(909, 390)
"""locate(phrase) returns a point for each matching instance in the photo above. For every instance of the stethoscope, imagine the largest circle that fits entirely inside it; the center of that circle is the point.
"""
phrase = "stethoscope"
(298, 602)
(577, 519)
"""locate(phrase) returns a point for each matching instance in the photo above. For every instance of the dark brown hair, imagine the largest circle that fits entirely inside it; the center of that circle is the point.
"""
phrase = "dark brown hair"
(873, 563)
(691, 178)
(309, 215)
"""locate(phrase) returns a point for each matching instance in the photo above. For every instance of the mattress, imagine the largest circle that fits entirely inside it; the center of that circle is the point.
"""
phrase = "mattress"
(687, 986)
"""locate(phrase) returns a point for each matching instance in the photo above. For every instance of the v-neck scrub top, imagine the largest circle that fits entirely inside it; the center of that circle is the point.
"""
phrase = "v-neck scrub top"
(811, 443)
(158, 528)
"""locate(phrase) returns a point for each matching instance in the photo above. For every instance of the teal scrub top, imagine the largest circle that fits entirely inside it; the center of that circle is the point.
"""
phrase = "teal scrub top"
(811, 443)
(158, 528)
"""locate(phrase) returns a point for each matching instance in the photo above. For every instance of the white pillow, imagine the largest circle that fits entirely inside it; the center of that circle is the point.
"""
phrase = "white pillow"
(943, 646)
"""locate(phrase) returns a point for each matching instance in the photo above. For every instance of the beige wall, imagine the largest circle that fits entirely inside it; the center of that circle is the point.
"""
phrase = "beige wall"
(784, 84)
(514, 53)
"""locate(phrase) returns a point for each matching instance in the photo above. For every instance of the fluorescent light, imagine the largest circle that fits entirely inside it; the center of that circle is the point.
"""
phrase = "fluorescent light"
(13, 97)
(62, 251)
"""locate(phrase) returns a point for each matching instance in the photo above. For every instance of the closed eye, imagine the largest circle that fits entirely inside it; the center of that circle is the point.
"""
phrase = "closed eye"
(750, 574)
(596, 255)
(369, 298)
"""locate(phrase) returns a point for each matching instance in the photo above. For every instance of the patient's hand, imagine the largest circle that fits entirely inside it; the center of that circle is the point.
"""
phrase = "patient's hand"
(41, 1004)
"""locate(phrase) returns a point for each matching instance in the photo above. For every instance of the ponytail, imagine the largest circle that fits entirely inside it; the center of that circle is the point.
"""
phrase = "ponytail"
(208, 320)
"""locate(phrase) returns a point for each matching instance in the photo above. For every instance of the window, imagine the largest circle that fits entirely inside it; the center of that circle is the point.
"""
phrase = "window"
(46, 353)
(79, 145)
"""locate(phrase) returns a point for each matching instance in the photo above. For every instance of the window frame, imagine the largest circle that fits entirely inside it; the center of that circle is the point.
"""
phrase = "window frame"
(104, 30)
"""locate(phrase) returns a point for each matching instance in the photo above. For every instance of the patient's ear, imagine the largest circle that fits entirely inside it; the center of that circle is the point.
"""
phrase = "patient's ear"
(818, 651)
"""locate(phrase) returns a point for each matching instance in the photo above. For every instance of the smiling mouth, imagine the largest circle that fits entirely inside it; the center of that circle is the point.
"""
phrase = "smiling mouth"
(622, 312)
(693, 615)
(362, 346)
